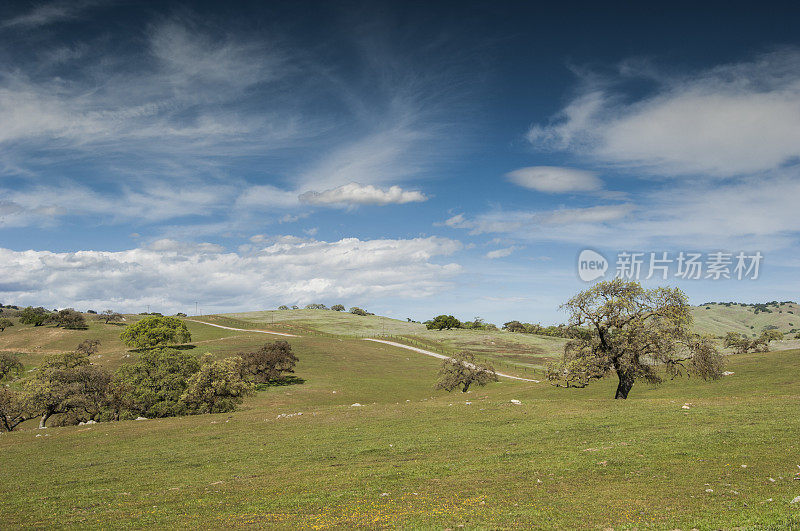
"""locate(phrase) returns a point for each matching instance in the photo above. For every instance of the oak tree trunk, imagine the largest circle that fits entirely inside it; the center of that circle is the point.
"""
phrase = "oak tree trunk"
(625, 384)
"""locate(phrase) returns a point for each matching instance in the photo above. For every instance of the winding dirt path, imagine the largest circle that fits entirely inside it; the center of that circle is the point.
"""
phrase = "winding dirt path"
(392, 343)
(243, 329)
(442, 357)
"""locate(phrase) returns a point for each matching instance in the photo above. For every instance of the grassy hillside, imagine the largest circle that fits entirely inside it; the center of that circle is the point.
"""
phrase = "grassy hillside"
(719, 319)
(522, 352)
(412, 456)
(415, 457)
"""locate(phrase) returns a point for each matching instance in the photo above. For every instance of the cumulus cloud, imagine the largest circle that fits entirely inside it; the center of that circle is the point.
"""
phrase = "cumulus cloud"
(359, 194)
(731, 120)
(171, 275)
(555, 180)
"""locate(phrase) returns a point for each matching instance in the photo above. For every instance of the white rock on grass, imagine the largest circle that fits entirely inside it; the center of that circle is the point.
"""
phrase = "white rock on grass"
(516, 402)
(142, 418)
(728, 373)
(796, 500)
(355, 405)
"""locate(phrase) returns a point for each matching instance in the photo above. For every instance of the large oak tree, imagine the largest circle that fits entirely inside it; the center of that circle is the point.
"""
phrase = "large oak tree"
(635, 333)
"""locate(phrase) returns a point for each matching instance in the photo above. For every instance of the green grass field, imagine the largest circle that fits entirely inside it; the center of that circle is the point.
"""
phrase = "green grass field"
(413, 457)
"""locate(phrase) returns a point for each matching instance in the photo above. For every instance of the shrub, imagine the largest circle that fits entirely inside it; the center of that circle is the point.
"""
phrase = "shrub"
(269, 363)
(337, 308)
(34, 316)
(70, 319)
(10, 366)
(218, 387)
(355, 310)
(441, 322)
(67, 384)
(154, 385)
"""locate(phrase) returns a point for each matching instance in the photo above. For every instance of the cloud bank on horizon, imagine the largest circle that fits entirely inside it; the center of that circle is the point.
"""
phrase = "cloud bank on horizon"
(382, 156)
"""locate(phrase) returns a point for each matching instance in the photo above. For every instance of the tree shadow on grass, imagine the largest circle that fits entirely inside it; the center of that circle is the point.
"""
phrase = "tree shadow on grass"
(176, 347)
(288, 380)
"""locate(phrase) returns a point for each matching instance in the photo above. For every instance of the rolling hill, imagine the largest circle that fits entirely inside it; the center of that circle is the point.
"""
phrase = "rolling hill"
(686, 454)
(750, 319)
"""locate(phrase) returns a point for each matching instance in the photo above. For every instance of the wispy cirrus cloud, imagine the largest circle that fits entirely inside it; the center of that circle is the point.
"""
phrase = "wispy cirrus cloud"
(566, 223)
(49, 13)
(201, 106)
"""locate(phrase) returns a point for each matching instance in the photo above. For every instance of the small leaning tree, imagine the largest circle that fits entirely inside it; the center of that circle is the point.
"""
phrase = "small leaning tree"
(461, 371)
(634, 332)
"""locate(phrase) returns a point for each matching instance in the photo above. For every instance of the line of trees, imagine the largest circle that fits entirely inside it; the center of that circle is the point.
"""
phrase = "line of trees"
(66, 318)
(448, 322)
(561, 330)
(355, 310)
(163, 382)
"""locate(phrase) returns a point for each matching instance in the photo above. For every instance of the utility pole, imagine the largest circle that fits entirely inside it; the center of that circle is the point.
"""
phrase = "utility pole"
(195, 309)
(148, 308)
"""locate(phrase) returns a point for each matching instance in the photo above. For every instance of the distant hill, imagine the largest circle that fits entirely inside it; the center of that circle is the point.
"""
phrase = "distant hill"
(719, 318)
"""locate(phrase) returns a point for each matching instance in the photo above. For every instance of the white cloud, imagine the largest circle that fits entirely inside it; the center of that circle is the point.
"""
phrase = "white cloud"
(577, 225)
(155, 202)
(758, 215)
(358, 194)
(502, 253)
(292, 218)
(741, 215)
(555, 180)
(595, 214)
(48, 13)
(735, 119)
(287, 270)
(210, 111)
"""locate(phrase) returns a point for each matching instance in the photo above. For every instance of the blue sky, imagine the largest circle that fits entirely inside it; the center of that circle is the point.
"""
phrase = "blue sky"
(410, 158)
